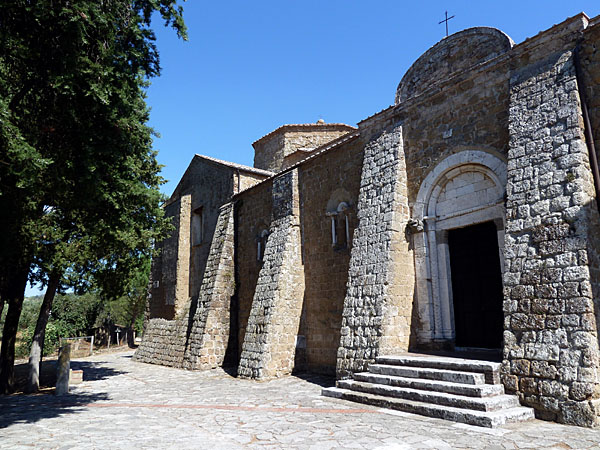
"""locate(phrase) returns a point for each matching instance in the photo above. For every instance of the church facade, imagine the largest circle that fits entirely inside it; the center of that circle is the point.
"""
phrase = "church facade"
(464, 216)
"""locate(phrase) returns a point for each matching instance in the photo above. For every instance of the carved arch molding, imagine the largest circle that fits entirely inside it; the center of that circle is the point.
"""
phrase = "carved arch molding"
(464, 189)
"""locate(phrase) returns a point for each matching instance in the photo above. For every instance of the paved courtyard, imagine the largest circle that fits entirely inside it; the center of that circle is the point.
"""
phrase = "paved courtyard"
(123, 404)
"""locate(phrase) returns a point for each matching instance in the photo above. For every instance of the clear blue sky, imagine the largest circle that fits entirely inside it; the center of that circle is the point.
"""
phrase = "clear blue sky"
(250, 67)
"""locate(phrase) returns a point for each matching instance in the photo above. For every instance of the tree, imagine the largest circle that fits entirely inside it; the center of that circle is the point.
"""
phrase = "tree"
(129, 307)
(77, 171)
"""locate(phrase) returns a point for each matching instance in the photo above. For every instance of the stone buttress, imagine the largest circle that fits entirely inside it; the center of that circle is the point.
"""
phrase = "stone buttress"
(378, 304)
(551, 337)
(198, 339)
(209, 334)
(269, 344)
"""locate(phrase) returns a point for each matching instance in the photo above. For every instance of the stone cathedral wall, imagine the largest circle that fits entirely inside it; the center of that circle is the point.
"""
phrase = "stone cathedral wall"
(178, 271)
(269, 345)
(590, 62)
(312, 302)
(326, 181)
(467, 113)
(252, 216)
(199, 338)
(551, 338)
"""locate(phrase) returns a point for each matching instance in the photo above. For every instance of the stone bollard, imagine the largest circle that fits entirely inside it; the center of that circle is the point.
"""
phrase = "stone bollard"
(76, 377)
(63, 370)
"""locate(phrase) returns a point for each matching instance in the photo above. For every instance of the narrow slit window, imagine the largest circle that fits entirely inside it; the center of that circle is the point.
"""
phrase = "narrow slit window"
(261, 243)
(197, 227)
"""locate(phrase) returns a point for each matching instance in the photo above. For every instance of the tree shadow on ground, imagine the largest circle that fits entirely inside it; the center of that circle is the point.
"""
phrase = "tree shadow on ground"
(31, 408)
(94, 370)
(318, 379)
(22, 408)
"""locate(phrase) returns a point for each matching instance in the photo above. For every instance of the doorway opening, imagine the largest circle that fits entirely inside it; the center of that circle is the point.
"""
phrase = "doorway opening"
(476, 286)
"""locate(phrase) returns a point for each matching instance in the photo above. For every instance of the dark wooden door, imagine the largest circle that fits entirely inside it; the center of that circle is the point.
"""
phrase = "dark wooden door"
(476, 286)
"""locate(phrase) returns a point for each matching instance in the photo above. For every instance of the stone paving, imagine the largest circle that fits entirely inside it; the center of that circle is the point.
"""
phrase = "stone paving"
(123, 404)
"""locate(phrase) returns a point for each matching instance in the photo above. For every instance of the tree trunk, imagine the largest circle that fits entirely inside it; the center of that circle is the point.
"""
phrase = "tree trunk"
(1, 305)
(16, 293)
(37, 342)
(130, 341)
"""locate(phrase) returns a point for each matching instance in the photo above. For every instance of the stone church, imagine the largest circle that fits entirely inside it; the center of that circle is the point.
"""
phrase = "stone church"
(462, 220)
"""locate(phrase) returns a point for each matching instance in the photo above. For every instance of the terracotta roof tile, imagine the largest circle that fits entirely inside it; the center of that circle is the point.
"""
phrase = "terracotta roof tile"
(296, 126)
(249, 169)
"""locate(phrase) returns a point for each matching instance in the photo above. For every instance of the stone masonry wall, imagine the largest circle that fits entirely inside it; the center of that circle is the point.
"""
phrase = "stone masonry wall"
(163, 343)
(458, 52)
(271, 150)
(253, 215)
(268, 155)
(182, 281)
(202, 190)
(590, 60)
(161, 301)
(199, 342)
(551, 338)
(210, 331)
(326, 181)
(308, 141)
(378, 303)
(467, 114)
(270, 341)
(246, 180)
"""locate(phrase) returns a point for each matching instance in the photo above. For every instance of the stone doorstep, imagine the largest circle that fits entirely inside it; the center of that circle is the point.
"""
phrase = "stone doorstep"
(493, 403)
(451, 376)
(469, 390)
(426, 385)
(75, 376)
(490, 369)
(489, 419)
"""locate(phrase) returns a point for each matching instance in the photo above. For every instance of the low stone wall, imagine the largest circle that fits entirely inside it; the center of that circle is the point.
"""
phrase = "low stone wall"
(163, 343)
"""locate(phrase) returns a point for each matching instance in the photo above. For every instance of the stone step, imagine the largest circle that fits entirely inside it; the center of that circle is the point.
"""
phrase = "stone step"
(491, 370)
(469, 390)
(490, 419)
(451, 376)
(489, 404)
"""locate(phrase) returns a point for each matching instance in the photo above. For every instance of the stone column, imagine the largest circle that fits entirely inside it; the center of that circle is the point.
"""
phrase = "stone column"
(550, 338)
(378, 304)
(269, 345)
(182, 283)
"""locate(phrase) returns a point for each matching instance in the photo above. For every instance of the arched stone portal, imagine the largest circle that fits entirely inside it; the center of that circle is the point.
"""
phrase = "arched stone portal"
(465, 189)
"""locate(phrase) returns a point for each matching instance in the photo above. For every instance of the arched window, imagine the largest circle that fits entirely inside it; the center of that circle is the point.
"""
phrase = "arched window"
(261, 243)
(340, 226)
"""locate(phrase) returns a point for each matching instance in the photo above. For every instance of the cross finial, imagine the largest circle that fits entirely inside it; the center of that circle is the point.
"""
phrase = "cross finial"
(446, 20)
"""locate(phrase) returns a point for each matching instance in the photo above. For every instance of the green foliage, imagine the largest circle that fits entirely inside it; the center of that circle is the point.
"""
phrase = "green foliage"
(30, 312)
(72, 315)
(77, 312)
(55, 330)
(128, 309)
(78, 172)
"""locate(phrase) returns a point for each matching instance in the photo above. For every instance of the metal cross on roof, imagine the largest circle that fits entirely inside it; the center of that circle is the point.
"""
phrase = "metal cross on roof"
(446, 20)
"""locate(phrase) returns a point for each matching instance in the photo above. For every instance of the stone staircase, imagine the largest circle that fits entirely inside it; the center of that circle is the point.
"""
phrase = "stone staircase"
(461, 390)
